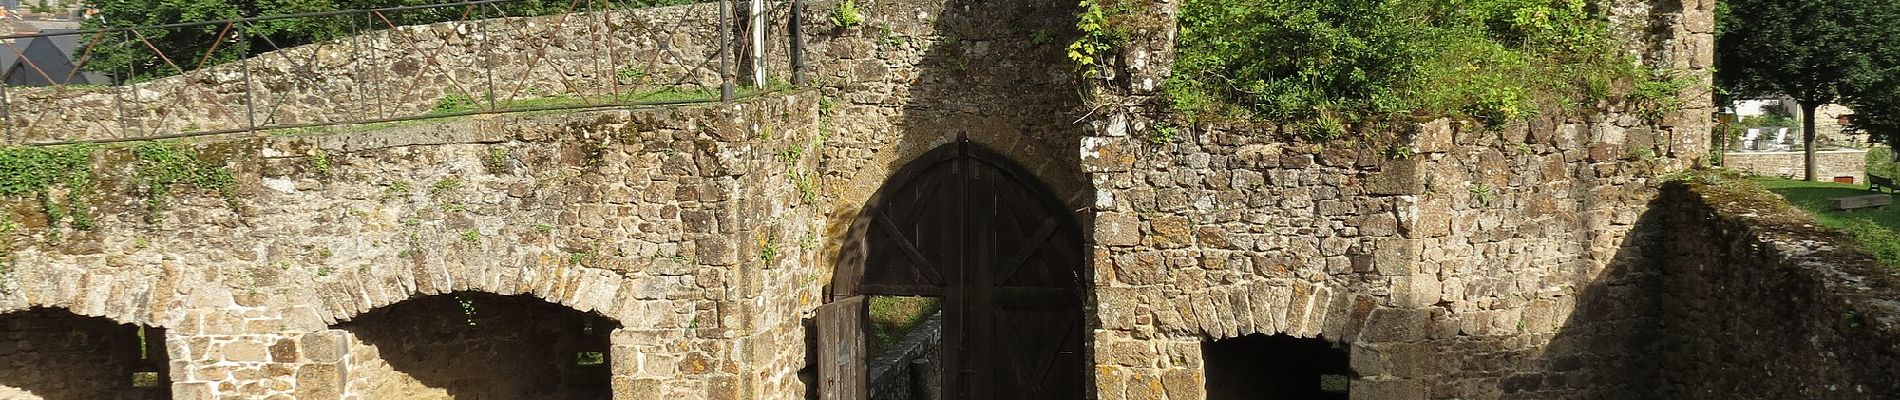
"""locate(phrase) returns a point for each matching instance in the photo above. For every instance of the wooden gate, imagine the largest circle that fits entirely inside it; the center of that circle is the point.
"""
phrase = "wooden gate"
(968, 225)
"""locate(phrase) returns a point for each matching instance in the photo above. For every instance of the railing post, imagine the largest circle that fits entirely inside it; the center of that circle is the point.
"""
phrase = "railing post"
(6, 114)
(756, 19)
(725, 50)
(250, 95)
(796, 29)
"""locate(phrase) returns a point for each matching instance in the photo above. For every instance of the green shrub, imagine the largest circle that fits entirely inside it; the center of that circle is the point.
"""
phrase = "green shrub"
(1495, 61)
(1880, 162)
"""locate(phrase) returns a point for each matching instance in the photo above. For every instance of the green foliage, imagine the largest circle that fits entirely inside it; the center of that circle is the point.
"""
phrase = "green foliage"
(846, 15)
(1656, 97)
(472, 237)
(1880, 161)
(396, 190)
(807, 189)
(1482, 193)
(497, 160)
(36, 171)
(454, 102)
(444, 186)
(162, 165)
(768, 250)
(1163, 134)
(1338, 63)
(1876, 230)
(893, 317)
(1101, 36)
(1813, 50)
(320, 160)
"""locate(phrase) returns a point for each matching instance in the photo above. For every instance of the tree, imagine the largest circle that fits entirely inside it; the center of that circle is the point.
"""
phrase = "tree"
(1816, 51)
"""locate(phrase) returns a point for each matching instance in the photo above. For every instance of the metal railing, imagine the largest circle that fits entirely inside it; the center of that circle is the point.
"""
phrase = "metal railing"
(232, 75)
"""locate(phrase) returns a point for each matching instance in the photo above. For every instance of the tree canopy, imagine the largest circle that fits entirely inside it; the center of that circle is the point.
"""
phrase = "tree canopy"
(1816, 51)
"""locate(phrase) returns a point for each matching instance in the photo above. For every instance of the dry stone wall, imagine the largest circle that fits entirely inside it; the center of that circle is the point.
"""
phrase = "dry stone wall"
(1763, 304)
(671, 222)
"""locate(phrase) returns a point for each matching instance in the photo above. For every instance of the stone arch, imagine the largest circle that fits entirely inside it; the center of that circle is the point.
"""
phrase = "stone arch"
(970, 225)
(634, 320)
(476, 345)
(582, 289)
(54, 354)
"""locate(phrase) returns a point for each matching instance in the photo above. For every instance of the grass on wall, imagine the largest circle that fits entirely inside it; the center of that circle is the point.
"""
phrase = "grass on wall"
(1877, 230)
(892, 317)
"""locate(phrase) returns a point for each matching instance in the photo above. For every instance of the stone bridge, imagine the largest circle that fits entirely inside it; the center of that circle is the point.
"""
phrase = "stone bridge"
(685, 251)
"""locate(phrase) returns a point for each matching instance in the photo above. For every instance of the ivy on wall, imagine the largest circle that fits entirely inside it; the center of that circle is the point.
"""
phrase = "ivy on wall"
(40, 172)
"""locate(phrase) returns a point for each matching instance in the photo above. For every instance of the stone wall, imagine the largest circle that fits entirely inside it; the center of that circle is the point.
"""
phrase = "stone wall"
(1763, 303)
(400, 72)
(1792, 164)
(684, 225)
(1458, 271)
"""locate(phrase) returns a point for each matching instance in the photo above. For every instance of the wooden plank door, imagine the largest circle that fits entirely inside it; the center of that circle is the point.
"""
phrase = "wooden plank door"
(841, 358)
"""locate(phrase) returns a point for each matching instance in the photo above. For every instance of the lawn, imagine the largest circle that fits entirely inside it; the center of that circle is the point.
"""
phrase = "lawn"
(1878, 230)
(892, 317)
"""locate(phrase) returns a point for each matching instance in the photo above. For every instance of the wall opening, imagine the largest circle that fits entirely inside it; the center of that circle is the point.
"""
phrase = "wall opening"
(53, 354)
(905, 343)
(469, 345)
(1276, 367)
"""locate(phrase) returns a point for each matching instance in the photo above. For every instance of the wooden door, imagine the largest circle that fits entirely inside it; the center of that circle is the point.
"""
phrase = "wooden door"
(967, 224)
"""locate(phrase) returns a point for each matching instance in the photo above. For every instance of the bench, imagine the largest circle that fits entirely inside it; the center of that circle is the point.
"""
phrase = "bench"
(1875, 182)
(1865, 201)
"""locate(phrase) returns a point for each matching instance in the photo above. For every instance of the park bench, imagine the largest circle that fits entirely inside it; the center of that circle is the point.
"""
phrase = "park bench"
(1863, 201)
(1875, 182)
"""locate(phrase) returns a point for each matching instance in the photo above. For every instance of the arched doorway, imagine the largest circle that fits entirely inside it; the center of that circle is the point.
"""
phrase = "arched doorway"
(472, 345)
(53, 354)
(968, 225)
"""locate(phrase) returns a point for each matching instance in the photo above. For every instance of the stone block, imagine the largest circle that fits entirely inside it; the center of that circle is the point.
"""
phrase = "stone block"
(1184, 384)
(284, 351)
(1118, 229)
(1415, 291)
(1397, 325)
(1388, 389)
(245, 351)
(324, 347)
(320, 381)
(1396, 177)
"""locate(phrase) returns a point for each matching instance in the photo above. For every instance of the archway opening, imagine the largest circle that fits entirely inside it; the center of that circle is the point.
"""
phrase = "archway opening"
(1276, 367)
(966, 225)
(470, 345)
(53, 354)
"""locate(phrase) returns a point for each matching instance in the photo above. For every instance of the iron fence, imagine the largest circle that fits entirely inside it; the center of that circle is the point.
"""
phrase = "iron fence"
(295, 71)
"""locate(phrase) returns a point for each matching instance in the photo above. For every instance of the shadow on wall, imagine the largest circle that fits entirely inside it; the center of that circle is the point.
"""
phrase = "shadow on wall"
(53, 354)
(915, 75)
(1696, 306)
(469, 345)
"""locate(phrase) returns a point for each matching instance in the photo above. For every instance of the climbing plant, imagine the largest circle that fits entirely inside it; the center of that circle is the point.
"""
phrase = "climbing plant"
(1331, 65)
(162, 165)
(37, 172)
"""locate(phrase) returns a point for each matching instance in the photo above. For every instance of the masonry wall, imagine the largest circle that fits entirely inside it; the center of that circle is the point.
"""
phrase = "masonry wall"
(1763, 303)
(395, 72)
(668, 221)
(1470, 269)
(1791, 164)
